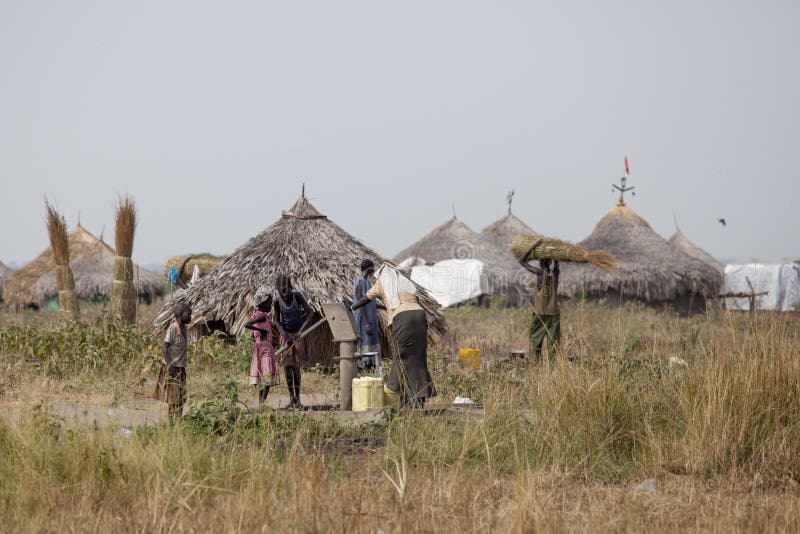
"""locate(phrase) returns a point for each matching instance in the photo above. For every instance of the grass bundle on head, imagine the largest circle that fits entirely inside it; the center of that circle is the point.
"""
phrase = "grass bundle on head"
(59, 243)
(125, 226)
(555, 249)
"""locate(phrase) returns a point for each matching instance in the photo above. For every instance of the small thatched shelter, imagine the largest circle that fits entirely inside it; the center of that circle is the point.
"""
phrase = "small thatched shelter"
(454, 240)
(322, 259)
(4, 272)
(185, 264)
(679, 241)
(652, 270)
(92, 263)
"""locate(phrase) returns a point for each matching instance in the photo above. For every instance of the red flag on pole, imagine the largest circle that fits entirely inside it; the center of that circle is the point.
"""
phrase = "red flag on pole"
(627, 171)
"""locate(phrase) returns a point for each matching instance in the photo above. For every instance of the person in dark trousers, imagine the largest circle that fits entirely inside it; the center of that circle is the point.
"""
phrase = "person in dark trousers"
(292, 314)
(546, 312)
(367, 319)
(408, 324)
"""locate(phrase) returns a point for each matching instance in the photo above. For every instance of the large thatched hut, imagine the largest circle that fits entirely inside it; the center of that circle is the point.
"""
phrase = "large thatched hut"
(92, 263)
(456, 240)
(680, 241)
(322, 259)
(5, 270)
(652, 270)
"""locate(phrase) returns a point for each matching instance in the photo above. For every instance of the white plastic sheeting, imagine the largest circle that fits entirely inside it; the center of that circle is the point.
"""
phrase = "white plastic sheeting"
(781, 281)
(409, 263)
(451, 282)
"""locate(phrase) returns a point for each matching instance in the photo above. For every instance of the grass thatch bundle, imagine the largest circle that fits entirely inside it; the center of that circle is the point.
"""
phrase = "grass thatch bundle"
(558, 250)
(123, 292)
(59, 243)
(125, 227)
(185, 264)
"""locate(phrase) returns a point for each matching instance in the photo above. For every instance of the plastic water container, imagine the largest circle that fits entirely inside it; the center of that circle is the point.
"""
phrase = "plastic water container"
(470, 358)
(367, 394)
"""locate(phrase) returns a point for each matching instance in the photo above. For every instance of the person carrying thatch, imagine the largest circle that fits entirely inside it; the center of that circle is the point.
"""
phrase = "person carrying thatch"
(546, 312)
(171, 383)
(367, 319)
(409, 331)
(263, 367)
(292, 315)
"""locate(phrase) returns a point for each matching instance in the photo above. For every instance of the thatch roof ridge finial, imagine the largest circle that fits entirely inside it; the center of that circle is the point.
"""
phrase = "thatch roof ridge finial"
(303, 209)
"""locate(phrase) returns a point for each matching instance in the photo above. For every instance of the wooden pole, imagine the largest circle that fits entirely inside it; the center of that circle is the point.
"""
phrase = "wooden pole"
(348, 370)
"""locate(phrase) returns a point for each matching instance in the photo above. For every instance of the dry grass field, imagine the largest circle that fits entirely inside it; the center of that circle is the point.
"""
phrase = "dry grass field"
(708, 407)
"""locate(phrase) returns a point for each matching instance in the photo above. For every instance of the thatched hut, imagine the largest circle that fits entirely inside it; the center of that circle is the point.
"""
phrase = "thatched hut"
(454, 240)
(679, 241)
(322, 259)
(92, 263)
(652, 270)
(5, 270)
(185, 264)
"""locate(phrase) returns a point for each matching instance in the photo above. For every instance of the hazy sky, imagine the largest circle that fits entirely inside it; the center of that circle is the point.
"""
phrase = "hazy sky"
(212, 114)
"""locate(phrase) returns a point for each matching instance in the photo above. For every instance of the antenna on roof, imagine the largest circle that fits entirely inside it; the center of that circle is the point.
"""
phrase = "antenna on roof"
(675, 218)
(102, 232)
(510, 199)
(303, 190)
(622, 188)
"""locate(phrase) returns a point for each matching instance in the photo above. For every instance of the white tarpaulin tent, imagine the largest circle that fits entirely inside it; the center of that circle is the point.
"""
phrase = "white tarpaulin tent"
(452, 281)
(409, 263)
(781, 281)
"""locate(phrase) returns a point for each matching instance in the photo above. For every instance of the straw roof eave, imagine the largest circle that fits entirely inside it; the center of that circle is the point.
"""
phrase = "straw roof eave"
(93, 278)
(681, 242)
(92, 266)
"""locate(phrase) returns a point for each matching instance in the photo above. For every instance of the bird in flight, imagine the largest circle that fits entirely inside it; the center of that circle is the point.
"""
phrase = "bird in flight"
(722, 221)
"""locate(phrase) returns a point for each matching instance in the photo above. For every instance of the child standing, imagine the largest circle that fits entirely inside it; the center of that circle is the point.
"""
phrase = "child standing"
(171, 384)
(263, 367)
(292, 315)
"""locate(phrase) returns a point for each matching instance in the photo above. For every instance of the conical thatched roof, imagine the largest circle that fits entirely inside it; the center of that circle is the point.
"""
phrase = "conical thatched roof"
(452, 240)
(92, 266)
(456, 240)
(4, 272)
(93, 272)
(322, 259)
(503, 231)
(652, 270)
(679, 241)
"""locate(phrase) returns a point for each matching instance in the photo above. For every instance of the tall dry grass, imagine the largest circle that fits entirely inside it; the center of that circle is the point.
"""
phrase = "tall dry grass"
(557, 448)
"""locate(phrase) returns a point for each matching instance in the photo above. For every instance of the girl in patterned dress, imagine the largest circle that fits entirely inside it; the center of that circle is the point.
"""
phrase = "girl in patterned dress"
(263, 367)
